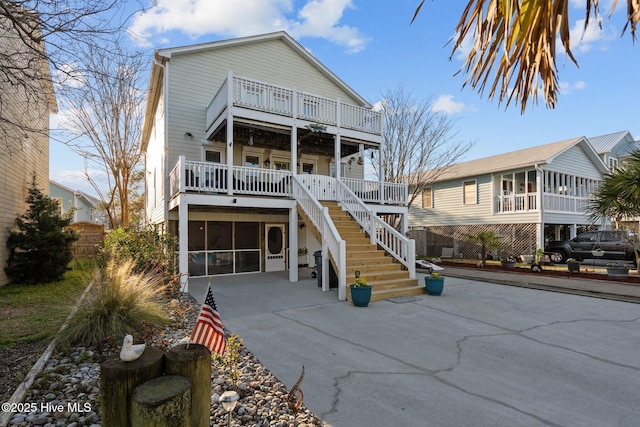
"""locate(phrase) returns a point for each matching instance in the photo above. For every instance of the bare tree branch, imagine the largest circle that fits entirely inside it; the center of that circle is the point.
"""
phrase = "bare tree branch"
(47, 37)
(106, 112)
(419, 143)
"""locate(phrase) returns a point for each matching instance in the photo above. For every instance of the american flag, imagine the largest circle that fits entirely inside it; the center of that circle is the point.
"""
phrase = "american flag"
(208, 330)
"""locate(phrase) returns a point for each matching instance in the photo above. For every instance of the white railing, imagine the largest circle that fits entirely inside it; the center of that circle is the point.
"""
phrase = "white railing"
(360, 119)
(332, 243)
(322, 187)
(174, 178)
(205, 176)
(262, 96)
(212, 177)
(369, 191)
(317, 109)
(517, 203)
(264, 182)
(562, 203)
(381, 233)
(270, 98)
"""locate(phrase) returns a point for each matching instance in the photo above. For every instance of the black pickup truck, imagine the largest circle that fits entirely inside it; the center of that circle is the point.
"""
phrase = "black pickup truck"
(602, 244)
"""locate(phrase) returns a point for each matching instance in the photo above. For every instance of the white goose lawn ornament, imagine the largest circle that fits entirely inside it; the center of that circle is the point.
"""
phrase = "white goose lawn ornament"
(129, 351)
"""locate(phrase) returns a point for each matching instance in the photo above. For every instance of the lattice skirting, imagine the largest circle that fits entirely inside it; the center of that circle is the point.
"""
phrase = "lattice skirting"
(517, 239)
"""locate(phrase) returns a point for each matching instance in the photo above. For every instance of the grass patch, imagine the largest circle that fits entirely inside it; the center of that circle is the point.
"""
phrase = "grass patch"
(31, 313)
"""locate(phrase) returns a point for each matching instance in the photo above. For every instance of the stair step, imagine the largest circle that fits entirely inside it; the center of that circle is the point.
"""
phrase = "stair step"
(365, 257)
(371, 269)
(394, 283)
(380, 276)
(398, 292)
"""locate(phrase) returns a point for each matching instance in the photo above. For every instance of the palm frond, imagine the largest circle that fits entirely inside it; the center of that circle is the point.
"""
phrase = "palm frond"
(514, 45)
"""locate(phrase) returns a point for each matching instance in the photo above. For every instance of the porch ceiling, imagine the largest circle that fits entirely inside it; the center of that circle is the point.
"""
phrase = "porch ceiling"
(280, 139)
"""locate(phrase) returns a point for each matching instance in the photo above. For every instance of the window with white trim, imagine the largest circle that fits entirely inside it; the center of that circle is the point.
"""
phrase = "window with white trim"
(470, 193)
(427, 198)
(213, 156)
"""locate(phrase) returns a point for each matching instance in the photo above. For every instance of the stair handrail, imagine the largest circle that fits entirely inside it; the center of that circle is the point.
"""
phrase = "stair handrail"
(380, 232)
(332, 243)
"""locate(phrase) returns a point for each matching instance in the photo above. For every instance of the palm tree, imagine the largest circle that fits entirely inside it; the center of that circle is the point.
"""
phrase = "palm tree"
(520, 36)
(618, 199)
(487, 240)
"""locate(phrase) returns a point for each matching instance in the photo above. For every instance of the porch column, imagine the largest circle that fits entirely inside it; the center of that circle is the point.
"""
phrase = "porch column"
(294, 148)
(381, 195)
(337, 154)
(229, 132)
(337, 148)
(404, 227)
(540, 236)
(573, 230)
(293, 244)
(183, 244)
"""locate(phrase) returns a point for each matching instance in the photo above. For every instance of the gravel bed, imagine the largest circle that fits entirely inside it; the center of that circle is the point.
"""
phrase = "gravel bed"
(67, 393)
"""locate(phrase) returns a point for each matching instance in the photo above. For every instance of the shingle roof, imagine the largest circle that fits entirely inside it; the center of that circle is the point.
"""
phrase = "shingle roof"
(508, 161)
(605, 143)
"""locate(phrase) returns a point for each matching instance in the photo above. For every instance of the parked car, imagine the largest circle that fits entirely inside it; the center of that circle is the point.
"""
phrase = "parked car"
(602, 244)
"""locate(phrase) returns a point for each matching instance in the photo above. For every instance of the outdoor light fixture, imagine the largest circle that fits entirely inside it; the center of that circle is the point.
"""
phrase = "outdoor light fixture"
(229, 399)
(357, 274)
(251, 137)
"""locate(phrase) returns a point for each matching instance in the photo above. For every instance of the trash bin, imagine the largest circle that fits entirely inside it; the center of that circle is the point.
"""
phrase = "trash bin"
(333, 277)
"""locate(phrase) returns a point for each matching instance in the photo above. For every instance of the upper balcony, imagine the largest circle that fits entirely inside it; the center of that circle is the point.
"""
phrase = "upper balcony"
(284, 104)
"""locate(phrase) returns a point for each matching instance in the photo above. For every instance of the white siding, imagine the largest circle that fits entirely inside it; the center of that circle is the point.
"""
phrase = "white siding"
(155, 165)
(575, 162)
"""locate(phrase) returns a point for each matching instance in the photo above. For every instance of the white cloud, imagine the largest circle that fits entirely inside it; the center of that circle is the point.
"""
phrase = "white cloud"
(583, 39)
(446, 104)
(567, 87)
(317, 18)
(69, 75)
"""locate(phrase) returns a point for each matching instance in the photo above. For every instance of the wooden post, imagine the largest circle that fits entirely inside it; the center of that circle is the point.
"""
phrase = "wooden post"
(194, 362)
(162, 402)
(118, 379)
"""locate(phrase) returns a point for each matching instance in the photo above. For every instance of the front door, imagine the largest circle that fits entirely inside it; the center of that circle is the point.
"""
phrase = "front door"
(275, 247)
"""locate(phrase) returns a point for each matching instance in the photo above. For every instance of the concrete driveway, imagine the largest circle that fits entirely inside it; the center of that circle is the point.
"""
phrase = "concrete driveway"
(480, 354)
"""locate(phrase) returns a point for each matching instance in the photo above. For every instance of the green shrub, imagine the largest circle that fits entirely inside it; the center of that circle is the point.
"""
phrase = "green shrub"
(121, 302)
(230, 361)
(149, 250)
(40, 248)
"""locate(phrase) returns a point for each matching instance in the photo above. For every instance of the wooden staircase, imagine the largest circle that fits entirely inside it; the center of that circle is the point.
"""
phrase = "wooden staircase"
(388, 277)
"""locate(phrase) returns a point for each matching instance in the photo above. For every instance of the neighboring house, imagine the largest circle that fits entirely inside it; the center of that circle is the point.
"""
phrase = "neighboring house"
(84, 206)
(239, 140)
(527, 196)
(614, 148)
(24, 130)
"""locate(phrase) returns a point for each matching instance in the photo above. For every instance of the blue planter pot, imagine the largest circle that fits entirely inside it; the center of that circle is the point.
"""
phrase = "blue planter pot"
(360, 297)
(434, 286)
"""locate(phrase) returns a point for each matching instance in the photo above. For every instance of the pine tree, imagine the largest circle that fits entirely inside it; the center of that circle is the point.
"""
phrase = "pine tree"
(40, 248)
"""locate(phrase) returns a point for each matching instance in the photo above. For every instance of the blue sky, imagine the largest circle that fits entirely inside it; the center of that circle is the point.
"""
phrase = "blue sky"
(371, 46)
